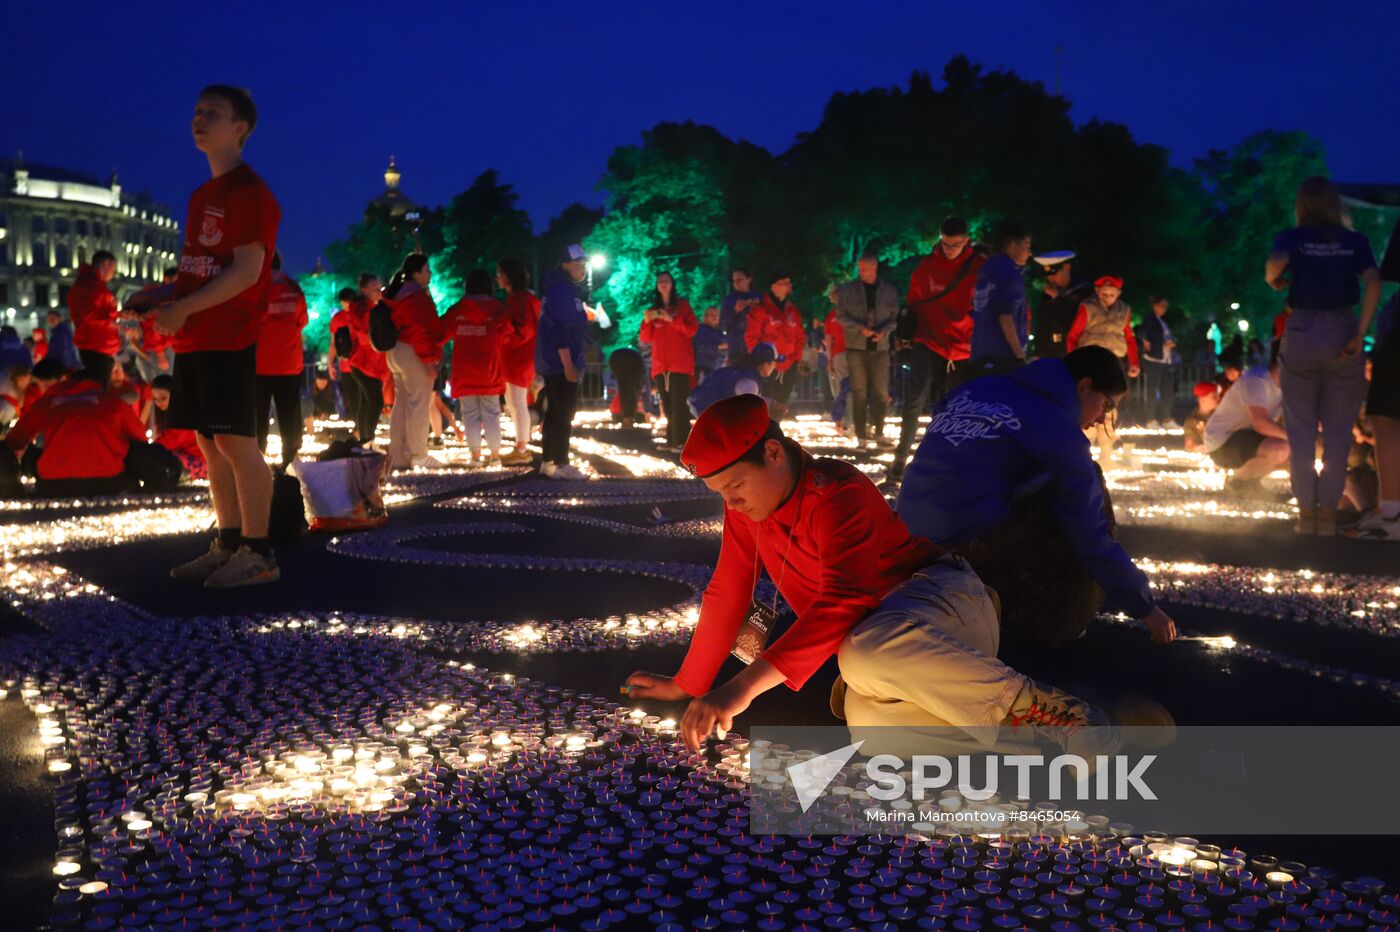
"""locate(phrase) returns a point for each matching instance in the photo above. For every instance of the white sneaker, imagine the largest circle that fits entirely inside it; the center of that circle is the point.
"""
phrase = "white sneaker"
(244, 568)
(1375, 527)
(1169, 424)
(429, 462)
(548, 470)
(568, 472)
(1154, 425)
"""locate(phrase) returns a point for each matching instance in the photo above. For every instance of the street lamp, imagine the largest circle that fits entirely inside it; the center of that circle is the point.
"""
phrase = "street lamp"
(1234, 305)
(597, 262)
(1244, 326)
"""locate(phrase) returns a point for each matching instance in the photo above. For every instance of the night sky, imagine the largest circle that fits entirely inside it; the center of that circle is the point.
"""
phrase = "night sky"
(544, 91)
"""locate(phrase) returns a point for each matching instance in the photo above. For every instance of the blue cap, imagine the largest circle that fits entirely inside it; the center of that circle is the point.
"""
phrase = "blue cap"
(764, 352)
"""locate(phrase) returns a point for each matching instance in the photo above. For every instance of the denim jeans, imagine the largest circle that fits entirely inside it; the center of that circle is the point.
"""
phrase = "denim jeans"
(1320, 388)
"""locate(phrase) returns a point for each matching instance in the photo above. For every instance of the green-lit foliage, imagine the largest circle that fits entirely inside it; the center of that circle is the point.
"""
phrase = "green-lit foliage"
(446, 287)
(321, 289)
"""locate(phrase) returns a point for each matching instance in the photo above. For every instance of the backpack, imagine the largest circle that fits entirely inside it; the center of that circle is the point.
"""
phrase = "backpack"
(383, 334)
(287, 518)
(344, 343)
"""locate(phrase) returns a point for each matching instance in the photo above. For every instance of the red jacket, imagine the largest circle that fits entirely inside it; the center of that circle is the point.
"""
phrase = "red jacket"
(416, 316)
(672, 342)
(178, 440)
(93, 309)
(87, 431)
(782, 327)
(366, 359)
(477, 327)
(341, 321)
(945, 325)
(836, 332)
(836, 550)
(279, 339)
(518, 345)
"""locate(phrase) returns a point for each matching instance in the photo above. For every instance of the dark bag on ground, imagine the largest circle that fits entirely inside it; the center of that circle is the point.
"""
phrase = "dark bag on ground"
(344, 343)
(383, 334)
(153, 468)
(286, 522)
(9, 473)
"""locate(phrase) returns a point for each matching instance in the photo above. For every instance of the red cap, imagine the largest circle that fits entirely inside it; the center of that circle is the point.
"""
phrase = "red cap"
(1113, 280)
(723, 433)
(1205, 389)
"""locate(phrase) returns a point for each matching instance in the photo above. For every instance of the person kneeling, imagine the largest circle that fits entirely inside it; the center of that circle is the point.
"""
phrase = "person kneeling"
(93, 443)
(1244, 433)
(913, 628)
(1005, 477)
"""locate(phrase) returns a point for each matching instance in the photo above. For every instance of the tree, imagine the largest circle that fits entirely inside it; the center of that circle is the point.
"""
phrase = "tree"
(482, 225)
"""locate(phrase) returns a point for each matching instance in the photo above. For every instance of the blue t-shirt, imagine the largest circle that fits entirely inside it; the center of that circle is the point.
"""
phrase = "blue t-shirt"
(1001, 290)
(1324, 265)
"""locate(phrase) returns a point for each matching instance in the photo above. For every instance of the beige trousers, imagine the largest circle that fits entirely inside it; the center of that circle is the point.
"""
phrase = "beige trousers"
(413, 399)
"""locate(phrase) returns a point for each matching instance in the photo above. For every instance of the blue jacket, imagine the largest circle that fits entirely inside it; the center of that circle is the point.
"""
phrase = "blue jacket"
(999, 439)
(563, 323)
(1000, 291)
(61, 346)
(719, 385)
(707, 342)
(733, 322)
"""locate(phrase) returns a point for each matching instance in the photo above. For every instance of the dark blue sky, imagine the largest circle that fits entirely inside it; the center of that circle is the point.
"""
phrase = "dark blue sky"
(544, 91)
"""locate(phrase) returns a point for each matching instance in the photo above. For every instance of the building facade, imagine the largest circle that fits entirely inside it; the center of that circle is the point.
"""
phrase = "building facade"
(52, 220)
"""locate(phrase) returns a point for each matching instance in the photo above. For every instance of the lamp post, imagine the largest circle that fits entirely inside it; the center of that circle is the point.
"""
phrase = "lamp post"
(597, 262)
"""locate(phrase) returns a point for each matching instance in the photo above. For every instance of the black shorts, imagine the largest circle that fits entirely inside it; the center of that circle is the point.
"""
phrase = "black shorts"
(216, 392)
(1238, 450)
(1384, 395)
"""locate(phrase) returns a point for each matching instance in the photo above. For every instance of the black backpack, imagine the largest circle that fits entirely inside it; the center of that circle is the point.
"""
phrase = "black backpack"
(344, 343)
(383, 334)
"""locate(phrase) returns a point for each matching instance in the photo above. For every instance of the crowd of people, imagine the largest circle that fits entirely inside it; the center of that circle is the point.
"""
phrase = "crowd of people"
(184, 379)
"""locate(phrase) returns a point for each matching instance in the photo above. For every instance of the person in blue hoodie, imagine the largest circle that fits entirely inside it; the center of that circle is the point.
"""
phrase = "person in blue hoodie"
(734, 311)
(1000, 318)
(61, 342)
(745, 377)
(1005, 477)
(563, 329)
(711, 345)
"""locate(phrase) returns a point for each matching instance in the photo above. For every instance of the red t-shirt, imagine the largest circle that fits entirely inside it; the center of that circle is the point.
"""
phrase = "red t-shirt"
(518, 345)
(87, 431)
(235, 209)
(836, 332)
(834, 550)
(341, 321)
(93, 309)
(279, 340)
(475, 326)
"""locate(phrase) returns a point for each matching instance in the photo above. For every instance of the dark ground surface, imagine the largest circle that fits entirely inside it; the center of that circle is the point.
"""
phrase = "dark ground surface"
(1197, 686)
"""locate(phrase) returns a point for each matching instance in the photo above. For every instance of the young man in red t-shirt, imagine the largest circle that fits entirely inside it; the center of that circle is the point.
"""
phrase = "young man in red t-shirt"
(93, 309)
(221, 295)
(914, 630)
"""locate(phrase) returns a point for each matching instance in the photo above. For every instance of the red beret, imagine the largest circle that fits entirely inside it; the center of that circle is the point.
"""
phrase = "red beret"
(723, 433)
(1112, 280)
(1205, 389)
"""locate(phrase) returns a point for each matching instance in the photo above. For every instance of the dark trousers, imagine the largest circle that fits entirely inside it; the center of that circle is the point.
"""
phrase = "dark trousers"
(283, 391)
(558, 423)
(675, 396)
(1156, 390)
(627, 369)
(148, 467)
(98, 365)
(1047, 597)
(925, 378)
(870, 384)
(366, 403)
(778, 386)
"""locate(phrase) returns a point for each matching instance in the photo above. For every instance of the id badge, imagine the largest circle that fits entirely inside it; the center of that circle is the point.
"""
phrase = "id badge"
(754, 632)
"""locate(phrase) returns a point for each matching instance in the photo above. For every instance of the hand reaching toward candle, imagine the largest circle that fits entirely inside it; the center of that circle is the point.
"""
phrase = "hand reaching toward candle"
(1160, 626)
(641, 685)
(717, 708)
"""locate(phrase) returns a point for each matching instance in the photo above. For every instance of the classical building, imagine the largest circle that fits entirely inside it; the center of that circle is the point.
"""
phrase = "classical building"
(52, 220)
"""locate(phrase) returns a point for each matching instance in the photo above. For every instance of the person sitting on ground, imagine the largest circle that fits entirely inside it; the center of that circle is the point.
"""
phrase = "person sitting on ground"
(746, 376)
(1244, 433)
(93, 443)
(1004, 476)
(184, 444)
(14, 385)
(913, 628)
(1207, 396)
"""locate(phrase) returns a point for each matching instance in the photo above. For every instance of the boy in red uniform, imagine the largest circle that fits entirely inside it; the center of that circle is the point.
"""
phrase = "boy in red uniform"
(477, 325)
(220, 296)
(914, 630)
(93, 442)
(778, 321)
(280, 361)
(93, 309)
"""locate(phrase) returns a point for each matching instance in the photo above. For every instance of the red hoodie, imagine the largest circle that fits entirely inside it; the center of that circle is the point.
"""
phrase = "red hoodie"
(476, 326)
(341, 321)
(87, 431)
(366, 359)
(672, 342)
(93, 309)
(780, 326)
(279, 339)
(416, 316)
(518, 347)
(945, 325)
(836, 550)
